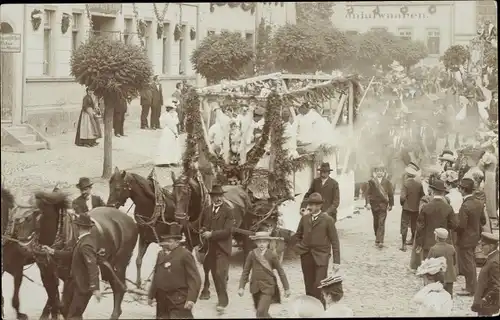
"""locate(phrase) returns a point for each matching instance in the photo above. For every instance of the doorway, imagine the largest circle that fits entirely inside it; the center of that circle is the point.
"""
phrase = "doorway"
(104, 26)
(7, 83)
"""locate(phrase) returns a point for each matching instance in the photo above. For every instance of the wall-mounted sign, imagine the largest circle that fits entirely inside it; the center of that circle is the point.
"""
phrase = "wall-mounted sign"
(106, 8)
(385, 16)
(10, 42)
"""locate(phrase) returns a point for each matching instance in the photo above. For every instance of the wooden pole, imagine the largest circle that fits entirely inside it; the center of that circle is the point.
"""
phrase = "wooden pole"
(351, 129)
(338, 111)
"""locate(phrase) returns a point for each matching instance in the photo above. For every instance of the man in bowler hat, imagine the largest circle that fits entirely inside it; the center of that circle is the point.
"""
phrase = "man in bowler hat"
(176, 280)
(487, 297)
(316, 238)
(86, 201)
(438, 213)
(328, 188)
(471, 220)
(217, 232)
(84, 277)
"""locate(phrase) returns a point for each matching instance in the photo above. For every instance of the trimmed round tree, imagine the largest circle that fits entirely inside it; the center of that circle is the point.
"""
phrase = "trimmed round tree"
(114, 71)
(299, 48)
(410, 52)
(454, 57)
(222, 56)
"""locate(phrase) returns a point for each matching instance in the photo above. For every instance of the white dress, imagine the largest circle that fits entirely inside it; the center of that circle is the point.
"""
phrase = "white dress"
(338, 310)
(169, 151)
(433, 301)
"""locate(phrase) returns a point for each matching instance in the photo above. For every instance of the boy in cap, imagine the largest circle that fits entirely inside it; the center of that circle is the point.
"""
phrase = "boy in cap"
(316, 238)
(411, 193)
(263, 284)
(446, 250)
(86, 201)
(176, 281)
(486, 298)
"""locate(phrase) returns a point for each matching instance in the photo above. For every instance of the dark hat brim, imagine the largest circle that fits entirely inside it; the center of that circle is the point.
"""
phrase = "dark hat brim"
(437, 189)
(83, 224)
(217, 192)
(85, 185)
(314, 202)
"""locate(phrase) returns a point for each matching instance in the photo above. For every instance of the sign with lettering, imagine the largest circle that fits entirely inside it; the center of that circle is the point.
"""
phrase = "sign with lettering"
(10, 42)
(385, 16)
(106, 8)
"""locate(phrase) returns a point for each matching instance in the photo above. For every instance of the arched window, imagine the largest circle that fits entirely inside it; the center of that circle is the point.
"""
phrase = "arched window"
(6, 28)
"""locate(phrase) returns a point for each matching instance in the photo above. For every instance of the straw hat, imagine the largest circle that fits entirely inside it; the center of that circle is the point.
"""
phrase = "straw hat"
(447, 157)
(449, 176)
(412, 169)
(331, 280)
(432, 266)
(263, 235)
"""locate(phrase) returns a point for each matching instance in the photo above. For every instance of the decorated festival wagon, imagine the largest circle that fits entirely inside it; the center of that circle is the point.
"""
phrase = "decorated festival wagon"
(267, 135)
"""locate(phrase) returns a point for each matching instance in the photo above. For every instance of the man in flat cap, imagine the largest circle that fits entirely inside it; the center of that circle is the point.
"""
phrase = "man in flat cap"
(316, 238)
(411, 193)
(471, 220)
(486, 298)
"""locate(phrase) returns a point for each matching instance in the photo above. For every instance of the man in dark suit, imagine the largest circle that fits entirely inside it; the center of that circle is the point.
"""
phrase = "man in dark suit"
(328, 188)
(84, 278)
(316, 238)
(86, 201)
(156, 103)
(146, 102)
(411, 193)
(119, 118)
(379, 197)
(217, 230)
(176, 280)
(471, 220)
(438, 213)
(487, 296)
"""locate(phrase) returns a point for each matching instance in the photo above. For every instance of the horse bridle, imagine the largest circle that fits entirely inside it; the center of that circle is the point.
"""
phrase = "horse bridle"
(126, 187)
(10, 228)
(187, 187)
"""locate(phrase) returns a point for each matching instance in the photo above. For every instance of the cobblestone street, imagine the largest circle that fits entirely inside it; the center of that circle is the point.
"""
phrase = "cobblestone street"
(377, 282)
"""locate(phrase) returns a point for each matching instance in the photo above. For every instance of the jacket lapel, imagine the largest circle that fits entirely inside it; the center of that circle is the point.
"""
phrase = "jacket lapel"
(95, 202)
(262, 259)
(326, 184)
(320, 217)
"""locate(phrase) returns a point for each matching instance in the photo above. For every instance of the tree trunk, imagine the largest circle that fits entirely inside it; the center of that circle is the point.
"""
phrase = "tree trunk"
(107, 166)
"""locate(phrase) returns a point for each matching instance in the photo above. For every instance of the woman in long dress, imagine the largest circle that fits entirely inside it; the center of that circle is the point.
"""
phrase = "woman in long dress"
(88, 129)
(488, 164)
(169, 150)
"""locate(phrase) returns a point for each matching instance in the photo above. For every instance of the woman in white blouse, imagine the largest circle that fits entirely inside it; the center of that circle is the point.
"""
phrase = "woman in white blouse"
(433, 300)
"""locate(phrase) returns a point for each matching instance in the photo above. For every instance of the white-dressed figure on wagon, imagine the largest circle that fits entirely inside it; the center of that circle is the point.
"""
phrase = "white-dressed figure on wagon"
(169, 151)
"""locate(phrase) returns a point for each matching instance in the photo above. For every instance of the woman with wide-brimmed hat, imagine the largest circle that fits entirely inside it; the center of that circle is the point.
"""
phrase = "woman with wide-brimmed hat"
(263, 284)
(433, 300)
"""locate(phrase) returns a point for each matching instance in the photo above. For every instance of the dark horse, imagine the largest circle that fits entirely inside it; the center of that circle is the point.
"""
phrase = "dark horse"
(14, 258)
(53, 227)
(192, 202)
(124, 185)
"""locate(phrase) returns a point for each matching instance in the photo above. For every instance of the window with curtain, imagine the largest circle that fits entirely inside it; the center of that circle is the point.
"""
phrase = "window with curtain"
(166, 49)
(433, 41)
(48, 18)
(405, 33)
(75, 36)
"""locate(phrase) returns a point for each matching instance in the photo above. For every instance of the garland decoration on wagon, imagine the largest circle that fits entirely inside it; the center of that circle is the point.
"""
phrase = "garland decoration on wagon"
(160, 19)
(36, 19)
(192, 33)
(177, 32)
(404, 10)
(65, 22)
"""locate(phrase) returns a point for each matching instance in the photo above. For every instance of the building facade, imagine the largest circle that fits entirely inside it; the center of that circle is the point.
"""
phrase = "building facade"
(439, 24)
(38, 88)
